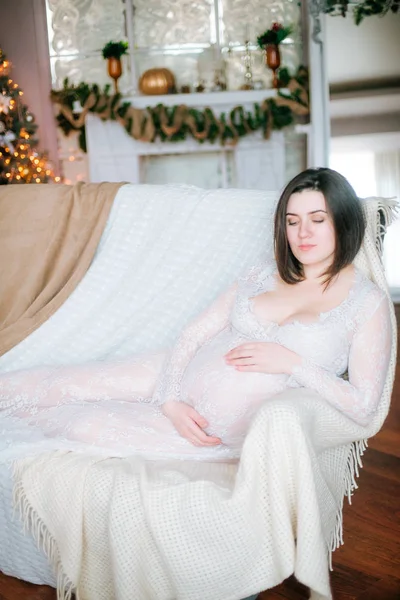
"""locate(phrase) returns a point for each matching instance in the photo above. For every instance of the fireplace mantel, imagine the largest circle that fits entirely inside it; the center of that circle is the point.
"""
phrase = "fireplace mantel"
(203, 99)
(253, 163)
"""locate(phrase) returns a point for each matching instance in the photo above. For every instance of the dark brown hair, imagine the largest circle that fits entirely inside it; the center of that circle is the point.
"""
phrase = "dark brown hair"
(348, 220)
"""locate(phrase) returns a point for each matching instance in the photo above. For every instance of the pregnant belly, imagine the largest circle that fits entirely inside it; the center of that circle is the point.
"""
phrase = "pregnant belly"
(227, 398)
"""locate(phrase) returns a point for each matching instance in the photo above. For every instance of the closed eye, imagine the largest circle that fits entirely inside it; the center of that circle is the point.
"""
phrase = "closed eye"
(318, 220)
(292, 222)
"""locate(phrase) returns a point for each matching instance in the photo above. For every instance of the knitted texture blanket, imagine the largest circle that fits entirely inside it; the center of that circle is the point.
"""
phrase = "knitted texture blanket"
(128, 528)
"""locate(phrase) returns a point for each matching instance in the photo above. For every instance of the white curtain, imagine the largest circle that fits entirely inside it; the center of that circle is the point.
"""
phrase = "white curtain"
(387, 173)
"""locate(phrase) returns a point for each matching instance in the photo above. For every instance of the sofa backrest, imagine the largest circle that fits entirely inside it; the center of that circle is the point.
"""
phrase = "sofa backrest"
(165, 254)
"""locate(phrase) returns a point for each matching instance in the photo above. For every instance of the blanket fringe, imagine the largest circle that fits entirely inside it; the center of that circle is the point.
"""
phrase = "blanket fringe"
(32, 523)
(389, 208)
(354, 463)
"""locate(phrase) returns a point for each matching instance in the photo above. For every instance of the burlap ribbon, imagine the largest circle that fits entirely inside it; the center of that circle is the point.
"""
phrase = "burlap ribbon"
(142, 124)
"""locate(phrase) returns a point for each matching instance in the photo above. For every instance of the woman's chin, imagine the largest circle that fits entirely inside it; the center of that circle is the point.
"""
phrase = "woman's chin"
(306, 258)
(310, 259)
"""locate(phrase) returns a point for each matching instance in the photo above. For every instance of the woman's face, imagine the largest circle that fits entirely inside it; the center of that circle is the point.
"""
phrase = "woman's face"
(310, 229)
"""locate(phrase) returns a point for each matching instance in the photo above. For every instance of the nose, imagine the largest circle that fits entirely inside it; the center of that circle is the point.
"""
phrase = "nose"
(304, 229)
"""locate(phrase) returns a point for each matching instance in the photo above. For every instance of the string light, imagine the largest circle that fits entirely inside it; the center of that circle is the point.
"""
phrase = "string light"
(19, 161)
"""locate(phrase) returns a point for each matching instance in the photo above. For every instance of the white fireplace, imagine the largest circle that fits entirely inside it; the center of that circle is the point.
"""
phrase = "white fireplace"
(254, 163)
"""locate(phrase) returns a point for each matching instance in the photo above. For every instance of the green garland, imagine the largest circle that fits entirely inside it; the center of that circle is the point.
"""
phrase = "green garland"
(174, 124)
(364, 8)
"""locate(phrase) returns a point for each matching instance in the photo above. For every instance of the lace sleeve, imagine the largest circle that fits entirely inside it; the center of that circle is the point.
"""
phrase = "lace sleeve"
(198, 332)
(369, 358)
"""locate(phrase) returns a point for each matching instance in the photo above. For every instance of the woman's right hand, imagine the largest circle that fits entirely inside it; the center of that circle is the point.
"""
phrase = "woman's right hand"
(188, 423)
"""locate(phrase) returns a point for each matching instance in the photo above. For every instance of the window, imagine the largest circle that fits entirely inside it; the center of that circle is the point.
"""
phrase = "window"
(181, 35)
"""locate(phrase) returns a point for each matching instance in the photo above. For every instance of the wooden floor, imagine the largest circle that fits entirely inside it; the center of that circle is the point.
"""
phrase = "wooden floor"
(367, 567)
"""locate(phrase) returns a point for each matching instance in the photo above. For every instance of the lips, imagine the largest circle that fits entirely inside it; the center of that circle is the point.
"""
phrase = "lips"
(306, 247)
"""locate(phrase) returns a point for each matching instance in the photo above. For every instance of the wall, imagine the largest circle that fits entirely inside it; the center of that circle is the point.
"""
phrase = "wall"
(24, 41)
(368, 51)
(363, 64)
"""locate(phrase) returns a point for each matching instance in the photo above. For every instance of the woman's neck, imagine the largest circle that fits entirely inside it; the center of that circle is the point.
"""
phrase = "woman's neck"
(316, 273)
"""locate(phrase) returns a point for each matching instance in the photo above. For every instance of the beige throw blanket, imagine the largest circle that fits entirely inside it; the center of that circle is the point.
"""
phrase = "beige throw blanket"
(48, 237)
(124, 529)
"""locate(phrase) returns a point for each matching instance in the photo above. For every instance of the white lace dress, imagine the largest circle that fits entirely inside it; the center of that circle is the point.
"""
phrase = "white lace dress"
(117, 405)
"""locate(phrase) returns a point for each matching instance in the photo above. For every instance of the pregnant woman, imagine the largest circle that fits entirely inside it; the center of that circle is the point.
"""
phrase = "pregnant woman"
(304, 321)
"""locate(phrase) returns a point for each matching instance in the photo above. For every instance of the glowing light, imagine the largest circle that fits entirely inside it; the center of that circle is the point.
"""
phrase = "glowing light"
(57, 179)
(37, 180)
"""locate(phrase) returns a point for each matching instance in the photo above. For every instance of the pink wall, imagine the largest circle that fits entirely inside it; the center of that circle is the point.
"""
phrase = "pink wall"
(23, 38)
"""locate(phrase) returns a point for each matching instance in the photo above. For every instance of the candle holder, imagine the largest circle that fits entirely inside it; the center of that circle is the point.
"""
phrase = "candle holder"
(113, 51)
(273, 61)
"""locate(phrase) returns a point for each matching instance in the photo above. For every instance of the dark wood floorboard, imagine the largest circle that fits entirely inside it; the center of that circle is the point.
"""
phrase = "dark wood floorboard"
(367, 567)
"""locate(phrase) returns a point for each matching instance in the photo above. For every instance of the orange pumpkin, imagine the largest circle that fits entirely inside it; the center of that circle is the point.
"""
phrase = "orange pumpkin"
(157, 81)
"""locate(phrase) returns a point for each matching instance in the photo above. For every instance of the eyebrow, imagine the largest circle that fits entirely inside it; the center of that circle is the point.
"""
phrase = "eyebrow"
(310, 213)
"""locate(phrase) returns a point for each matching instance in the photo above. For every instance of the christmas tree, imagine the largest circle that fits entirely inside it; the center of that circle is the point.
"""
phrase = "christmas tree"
(20, 160)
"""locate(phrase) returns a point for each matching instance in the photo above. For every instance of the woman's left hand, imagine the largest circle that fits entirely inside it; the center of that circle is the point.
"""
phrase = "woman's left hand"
(262, 357)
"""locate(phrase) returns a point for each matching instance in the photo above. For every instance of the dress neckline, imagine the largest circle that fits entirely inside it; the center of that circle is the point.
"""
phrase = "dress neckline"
(321, 316)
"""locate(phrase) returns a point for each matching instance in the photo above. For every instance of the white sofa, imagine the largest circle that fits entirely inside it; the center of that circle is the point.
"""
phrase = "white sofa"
(204, 240)
(231, 226)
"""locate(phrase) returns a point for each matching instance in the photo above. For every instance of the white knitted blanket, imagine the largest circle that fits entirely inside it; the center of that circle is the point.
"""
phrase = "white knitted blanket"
(128, 529)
